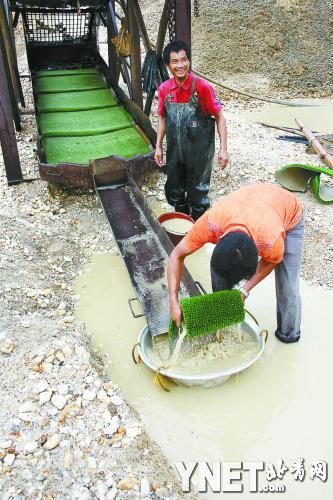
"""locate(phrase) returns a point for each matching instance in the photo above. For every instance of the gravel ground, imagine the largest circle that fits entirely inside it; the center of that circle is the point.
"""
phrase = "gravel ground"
(66, 431)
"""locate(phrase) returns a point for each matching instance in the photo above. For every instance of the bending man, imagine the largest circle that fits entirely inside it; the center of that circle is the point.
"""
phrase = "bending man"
(259, 220)
(186, 107)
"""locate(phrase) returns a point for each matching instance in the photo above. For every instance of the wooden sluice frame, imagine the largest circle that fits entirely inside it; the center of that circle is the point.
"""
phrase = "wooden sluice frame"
(143, 243)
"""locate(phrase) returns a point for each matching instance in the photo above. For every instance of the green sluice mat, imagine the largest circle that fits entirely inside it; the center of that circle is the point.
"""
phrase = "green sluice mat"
(67, 72)
(127, 143)
(76, 101)
(94, 121)
(69, 83)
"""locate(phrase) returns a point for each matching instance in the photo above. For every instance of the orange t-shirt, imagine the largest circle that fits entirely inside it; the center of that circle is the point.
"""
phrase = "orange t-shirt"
(263, 211)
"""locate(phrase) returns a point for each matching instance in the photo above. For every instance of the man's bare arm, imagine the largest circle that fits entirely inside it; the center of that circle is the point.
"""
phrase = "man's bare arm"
(264, 269)
(175, 273)
(160, 136)
(223, 157)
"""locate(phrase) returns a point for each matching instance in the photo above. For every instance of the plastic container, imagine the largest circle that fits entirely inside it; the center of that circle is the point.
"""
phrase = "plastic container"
(176, 225)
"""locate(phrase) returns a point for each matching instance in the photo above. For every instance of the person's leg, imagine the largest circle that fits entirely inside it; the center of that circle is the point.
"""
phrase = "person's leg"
(175, 186)
(289, 307)
(198, 183)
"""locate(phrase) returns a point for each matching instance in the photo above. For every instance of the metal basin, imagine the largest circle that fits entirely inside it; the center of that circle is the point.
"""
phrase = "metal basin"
(209, 379)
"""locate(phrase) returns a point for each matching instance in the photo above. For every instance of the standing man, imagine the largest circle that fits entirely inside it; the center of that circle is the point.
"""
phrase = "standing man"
(186, 107)
(257, 220)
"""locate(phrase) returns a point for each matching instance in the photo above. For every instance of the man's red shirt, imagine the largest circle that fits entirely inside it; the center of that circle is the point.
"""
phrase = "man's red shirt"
(205, 92)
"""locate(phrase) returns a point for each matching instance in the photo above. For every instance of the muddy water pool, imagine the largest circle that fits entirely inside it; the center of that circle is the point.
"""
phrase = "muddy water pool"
(281, 407)
(318, 117)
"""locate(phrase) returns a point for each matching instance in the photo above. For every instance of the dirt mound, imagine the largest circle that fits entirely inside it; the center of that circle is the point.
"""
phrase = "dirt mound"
(289, 42)
(261, 45)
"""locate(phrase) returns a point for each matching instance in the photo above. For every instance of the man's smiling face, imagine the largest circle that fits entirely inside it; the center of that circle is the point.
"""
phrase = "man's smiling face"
(179, 65)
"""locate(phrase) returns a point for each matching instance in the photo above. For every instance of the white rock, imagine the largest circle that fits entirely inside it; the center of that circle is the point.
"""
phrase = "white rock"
(109, 480)
(69, 319)
(58, 401)
(133, 431)
(68, 460)
(116, 400)
(52, 442)
(111, 494)
(26, 417)
(110, 429)
(45, 397)
(6, 444)
(47, 367)
(89, 395)
(41, 387)
(144, 487)
(102, 396)
(91, 462)
(30, 447)
(9, 459)
(26, 407)
(63, 389)
(100, 490)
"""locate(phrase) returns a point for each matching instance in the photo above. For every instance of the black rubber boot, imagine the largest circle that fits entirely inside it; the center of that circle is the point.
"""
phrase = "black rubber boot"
(184, 209)
(287, 339)
(196, 213)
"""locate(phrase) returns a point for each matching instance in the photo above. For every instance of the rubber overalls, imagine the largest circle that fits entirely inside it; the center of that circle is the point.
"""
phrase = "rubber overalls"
(190, 136)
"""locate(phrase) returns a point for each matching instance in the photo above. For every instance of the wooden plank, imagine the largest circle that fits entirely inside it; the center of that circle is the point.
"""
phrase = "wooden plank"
(135, 57)
(183, 21)
(112, 32)
(7, 131)
(319, 148)
(15, 64)
(8, 67)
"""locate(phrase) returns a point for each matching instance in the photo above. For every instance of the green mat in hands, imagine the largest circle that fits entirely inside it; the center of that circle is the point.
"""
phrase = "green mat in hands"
(94, 121)
(205, 314)
(76, 101)
(297, 177)
(66, 72)
(126, 143)
(69, 83)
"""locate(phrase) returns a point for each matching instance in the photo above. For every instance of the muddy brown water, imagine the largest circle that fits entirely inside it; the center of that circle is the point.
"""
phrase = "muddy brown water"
(317, 117)
(279, 408)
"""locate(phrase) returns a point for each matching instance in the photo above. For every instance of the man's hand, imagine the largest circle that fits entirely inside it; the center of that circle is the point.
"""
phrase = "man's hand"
(223, 158)
(176, 312)
(158, 157)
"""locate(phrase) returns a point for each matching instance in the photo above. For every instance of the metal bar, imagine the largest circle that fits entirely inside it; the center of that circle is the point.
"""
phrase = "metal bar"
(135, 57)
(145, 247)
(7, 131)
(183, 21)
